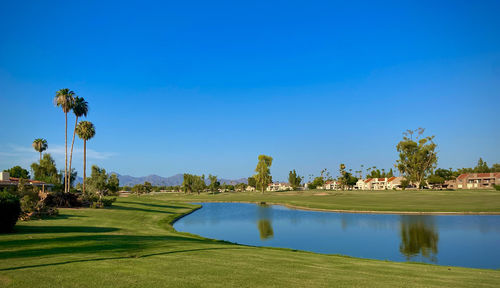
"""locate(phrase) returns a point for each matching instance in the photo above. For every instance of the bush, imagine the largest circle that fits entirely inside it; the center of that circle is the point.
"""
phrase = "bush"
(497, 187)
(61, 199)
(10, 209)
(107, 202)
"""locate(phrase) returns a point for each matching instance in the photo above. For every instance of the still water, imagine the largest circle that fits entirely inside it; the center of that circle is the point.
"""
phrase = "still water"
(455, 240)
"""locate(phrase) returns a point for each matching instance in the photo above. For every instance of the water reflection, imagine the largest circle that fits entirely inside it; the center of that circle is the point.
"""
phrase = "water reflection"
(419, 236)
(265, 229)
(264, 214)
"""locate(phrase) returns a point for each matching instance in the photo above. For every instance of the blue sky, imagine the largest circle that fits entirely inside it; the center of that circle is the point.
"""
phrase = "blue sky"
(207, 86)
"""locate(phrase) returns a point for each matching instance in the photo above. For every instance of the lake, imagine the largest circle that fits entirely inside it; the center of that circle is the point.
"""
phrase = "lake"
(454, 240)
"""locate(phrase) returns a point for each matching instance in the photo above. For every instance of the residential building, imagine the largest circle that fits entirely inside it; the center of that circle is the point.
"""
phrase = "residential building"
(476, 181)
(331, 185)
(278, 186)
(7, 181)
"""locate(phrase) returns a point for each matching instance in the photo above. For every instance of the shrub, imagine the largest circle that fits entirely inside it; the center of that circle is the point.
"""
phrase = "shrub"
(497, 187)
(61, 199)
(107, 202)
(10, 209)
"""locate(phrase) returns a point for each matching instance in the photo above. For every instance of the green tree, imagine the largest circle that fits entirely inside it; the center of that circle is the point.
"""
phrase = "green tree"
(18, 172)
(481, 167)
(40, 145)
(263, 177)
(252, 182)
(80, 108)
(214, 184)
(46, 170)
(113, 183)
(317, 182)
(65, 99)
(102, 184)
(294, 180)
(435, 180)
(417, 157)
(85, 131)
(446, 174)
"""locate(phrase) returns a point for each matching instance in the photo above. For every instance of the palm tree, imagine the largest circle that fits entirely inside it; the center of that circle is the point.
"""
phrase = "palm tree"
(80, 108)
(85, 131)
(40, 145)
(65, 98)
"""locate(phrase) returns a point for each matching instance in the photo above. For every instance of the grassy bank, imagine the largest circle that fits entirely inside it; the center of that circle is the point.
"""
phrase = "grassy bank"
(386, 200)
(132, 245)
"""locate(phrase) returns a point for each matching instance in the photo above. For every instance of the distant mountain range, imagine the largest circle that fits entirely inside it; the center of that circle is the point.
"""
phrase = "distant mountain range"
(155, 180)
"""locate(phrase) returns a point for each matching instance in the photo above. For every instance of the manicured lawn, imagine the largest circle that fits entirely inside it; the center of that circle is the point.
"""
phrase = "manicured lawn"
(387, 200)
(133, 245)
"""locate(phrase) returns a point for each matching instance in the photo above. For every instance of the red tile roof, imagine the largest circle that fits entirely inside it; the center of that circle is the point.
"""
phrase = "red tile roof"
(391, 179)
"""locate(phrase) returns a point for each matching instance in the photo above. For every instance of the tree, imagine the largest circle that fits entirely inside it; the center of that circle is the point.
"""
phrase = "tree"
(481, 167)
(214, 184)
(252, 182)
(417, 157)
(446, 174)
(317, 182)
(85, 131)
(193, 183)
(294, 180)
(263, 177)
(101, 184)
(113, 183)
(435, 180)
(18, 172)
(80, 108)
(46, 170)
(40, 145)
(65, 99)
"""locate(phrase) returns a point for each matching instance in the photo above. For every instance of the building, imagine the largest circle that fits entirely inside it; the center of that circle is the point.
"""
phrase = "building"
(475, 181)
(277, 186)
(331, 185)
(379, 183)
(7, 181)
(250, 188)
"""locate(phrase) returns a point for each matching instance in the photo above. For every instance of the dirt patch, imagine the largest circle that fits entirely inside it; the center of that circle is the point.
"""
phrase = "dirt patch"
(321, 194)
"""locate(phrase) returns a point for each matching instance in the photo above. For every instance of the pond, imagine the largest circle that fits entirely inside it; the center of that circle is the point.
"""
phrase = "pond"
(454, 240)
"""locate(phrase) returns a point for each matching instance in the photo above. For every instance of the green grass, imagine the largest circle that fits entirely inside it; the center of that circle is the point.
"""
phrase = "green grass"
(133, 245)
(386, 200)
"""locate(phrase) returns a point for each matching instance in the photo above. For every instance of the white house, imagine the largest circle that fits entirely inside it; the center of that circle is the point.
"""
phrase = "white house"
(278, 186)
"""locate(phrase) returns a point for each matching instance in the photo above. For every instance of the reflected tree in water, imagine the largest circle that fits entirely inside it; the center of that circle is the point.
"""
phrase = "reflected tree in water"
(265, 229)
(419, 236)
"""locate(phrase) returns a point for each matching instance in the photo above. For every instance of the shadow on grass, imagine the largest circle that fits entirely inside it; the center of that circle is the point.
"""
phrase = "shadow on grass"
(113, 258)
(22, 229)
(129, 208)
(89, 244)
(152, 205)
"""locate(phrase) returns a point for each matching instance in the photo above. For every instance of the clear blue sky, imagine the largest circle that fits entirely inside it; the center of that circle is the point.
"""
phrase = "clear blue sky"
(207, 86)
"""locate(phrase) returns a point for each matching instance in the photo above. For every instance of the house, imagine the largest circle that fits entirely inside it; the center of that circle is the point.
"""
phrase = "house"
(250, 188)
(379, 183)
(277, 186)
(394, 182)
(331, 185)
(475, 181)
(7, 181)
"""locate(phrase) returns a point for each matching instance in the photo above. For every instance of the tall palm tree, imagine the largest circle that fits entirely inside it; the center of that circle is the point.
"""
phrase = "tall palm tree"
(65, 99)
(40, 145)
(85, 131)
(80, 108)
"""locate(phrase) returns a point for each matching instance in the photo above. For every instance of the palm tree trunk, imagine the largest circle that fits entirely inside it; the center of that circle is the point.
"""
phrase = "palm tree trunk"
(71, 153)
(40, 157)
(84, 163)
(66, 154)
